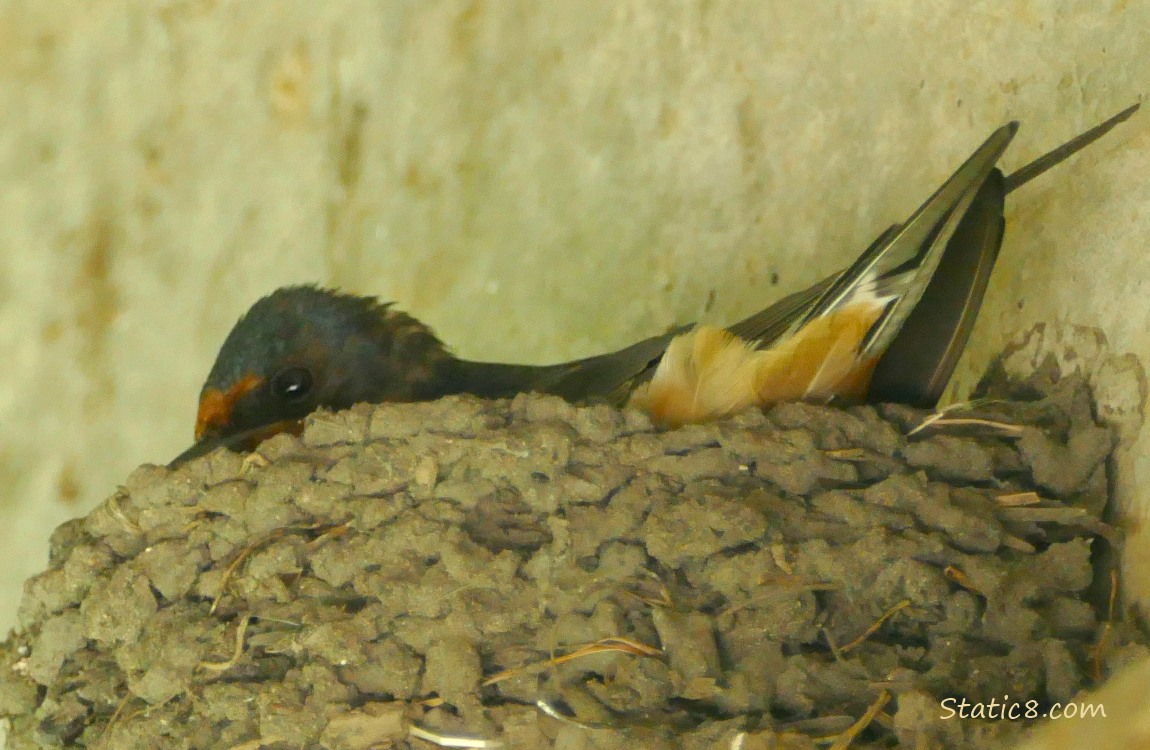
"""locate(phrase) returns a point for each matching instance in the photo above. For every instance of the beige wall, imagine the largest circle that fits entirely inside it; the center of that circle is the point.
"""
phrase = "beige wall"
(535, 179)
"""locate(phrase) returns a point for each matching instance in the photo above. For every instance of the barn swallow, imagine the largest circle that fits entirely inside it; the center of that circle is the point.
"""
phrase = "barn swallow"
(889, 327)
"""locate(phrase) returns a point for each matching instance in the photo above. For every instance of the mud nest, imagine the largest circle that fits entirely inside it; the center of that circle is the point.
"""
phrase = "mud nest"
(549, 576)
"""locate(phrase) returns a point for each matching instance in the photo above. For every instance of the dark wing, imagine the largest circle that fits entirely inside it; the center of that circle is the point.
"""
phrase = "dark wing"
(606, 377)
(901, 267)
(769, 325)
(919, 361)
(611, 377)
(899, 264)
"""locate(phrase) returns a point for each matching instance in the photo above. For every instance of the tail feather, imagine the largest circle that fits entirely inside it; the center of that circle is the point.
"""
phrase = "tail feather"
(916, 366)
(861, 333)
(908, 255)
(1052, 158)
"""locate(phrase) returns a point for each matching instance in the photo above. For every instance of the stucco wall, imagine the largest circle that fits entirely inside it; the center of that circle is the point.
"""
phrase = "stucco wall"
(536, 180)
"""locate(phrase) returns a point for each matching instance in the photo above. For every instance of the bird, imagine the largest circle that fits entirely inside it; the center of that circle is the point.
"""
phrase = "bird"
(889, 327)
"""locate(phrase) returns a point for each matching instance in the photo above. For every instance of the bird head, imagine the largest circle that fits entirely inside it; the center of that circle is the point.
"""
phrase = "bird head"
(302, 348)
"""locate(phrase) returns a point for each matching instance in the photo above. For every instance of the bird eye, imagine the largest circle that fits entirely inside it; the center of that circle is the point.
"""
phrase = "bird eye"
(292, 384)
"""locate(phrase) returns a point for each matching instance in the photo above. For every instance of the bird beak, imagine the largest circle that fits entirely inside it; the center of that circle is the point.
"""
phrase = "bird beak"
(239, 442)
(216, 406)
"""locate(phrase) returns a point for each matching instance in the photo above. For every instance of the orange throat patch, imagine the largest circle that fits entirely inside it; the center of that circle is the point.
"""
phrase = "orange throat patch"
(216, 406)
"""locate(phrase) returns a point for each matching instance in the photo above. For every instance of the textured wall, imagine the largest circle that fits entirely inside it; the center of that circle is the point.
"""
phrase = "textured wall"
(535, 179)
